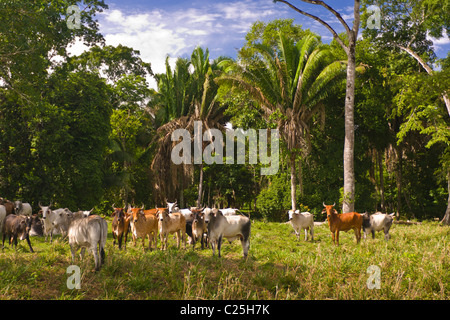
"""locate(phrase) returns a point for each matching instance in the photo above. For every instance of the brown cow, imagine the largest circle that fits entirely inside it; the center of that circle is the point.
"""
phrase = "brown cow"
(120, 226)
(17, 227)
(144, 223)
(199, 227)
(171, 223)
(343, 222)
(9, 206)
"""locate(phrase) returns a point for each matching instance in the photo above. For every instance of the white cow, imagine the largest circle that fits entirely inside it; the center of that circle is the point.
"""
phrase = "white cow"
(230, 227)
(49, 216)
(23, 208)
(2, 216)
(302, 220)
(229, 211)
(377, 222)
(187, 213)
(88, 233)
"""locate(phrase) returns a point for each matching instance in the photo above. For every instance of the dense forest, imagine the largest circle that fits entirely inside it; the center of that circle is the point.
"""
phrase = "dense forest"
(87, 131)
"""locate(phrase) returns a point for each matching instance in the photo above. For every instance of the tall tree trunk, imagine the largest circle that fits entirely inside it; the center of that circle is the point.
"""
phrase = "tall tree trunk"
(200, 187)
(293, 185)
(349, 142)
(181, 184)
(380, 169)
(446, 219)
(399, 150)
(300, 176)
(352, 33)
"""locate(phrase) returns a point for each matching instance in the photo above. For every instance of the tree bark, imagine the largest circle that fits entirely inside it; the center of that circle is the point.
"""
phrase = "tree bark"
(446, 219)
(380, 169)
(300, 177)
(349, 142)
(293, 185)
(200, 187)
(399, 151)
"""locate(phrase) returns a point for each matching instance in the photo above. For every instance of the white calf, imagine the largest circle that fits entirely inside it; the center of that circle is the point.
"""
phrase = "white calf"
(302, 220)
(377, 222)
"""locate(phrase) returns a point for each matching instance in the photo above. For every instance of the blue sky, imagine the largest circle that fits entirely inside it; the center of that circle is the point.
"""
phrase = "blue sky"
(176, 27)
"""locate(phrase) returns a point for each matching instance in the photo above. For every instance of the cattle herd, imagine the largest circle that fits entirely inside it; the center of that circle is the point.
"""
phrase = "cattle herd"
(205, 225)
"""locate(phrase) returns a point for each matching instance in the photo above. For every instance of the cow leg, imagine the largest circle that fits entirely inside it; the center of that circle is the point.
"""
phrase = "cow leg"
(213, 246)
(73, 251)
(312, 233)
(333, 237)
(143, 242)
(83, 249)
(373, 234)
(120, 241)
(219, 244)
(15, 241)
(3, 240)
(337, 237)
(386, 234)
(29, 244)
(358, 234)
(161, 237)
(96, 257)
(178, 238)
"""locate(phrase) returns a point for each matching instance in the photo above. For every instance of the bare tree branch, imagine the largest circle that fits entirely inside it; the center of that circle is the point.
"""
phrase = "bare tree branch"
(335, 35)
(337, 14)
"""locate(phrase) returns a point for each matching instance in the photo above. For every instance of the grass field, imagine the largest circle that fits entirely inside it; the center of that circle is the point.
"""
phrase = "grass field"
(414, 264)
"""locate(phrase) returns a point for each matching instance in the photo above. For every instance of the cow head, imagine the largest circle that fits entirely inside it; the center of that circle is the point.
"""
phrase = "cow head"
(37, 229)
(17, 206)
(135, 214)
(198, 216)
(329, 209)
(24, 227)
(162, 214)
(292, 213)
(45, 210)
(119, 214)
(172, 206)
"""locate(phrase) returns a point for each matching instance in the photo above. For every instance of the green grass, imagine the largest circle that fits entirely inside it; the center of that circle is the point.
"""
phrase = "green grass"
(414, 264)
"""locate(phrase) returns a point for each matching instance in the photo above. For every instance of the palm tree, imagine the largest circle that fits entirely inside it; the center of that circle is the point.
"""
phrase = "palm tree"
(197, 101)
(291, 80)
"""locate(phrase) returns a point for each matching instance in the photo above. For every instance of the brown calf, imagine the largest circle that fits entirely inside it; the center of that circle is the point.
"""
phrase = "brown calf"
(343, 222)
(144, 223)
(199, 227)
(120, 226)
(171, 223)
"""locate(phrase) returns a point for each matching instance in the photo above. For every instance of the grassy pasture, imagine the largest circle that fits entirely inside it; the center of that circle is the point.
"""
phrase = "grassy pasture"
(414, 264)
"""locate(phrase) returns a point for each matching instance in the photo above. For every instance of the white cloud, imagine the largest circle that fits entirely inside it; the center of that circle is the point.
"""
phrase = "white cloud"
(440, 44)
(157, 33)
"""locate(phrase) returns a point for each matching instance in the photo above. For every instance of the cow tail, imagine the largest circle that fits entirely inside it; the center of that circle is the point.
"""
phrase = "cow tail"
(104, 230)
